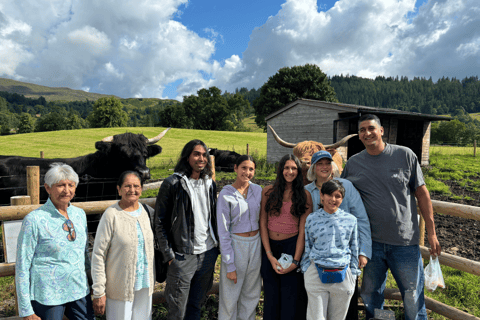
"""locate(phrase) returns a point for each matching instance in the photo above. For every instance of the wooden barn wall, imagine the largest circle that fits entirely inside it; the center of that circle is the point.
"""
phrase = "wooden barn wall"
(342, 131)
(298, 124)
(427, 127)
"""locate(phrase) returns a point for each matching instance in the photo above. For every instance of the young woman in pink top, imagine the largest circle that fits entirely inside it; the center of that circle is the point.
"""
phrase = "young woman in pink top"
(284, 210)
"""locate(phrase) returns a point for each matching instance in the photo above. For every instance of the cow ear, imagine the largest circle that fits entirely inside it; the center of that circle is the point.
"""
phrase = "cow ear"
(103, 146)
(153, 150)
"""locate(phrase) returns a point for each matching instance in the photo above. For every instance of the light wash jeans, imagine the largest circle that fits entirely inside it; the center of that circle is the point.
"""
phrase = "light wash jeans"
(406, 265)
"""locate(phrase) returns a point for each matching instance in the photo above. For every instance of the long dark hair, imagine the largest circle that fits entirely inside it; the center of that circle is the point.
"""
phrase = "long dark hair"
(184, 167)
(275, 196)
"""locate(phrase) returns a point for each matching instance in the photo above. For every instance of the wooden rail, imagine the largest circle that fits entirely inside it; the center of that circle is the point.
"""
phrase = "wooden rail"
(469, 212)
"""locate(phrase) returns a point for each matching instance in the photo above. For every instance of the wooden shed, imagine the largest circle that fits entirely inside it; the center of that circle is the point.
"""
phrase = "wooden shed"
(328, 122)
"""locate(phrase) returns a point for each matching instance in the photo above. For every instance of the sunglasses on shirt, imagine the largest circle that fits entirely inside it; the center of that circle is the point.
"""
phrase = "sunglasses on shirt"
(68, 226)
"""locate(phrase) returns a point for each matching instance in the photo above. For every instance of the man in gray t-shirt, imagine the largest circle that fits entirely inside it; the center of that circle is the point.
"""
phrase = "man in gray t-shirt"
(389, 178)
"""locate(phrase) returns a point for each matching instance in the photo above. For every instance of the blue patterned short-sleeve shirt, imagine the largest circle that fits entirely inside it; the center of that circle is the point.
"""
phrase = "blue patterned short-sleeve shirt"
(50, 269)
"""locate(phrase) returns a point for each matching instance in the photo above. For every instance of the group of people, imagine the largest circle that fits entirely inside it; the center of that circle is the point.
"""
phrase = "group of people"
(307, 243)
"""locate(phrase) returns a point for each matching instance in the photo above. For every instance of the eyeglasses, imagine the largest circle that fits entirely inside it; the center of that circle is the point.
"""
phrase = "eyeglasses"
(68, 226)
(129, 186)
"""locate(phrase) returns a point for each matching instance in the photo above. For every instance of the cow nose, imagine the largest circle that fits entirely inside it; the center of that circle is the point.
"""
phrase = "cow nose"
(144, 173)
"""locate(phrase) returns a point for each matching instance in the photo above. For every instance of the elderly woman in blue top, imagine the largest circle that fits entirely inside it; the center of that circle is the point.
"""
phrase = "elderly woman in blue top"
(238, 211)
(331, 242)
(323, 169)
(52, 259)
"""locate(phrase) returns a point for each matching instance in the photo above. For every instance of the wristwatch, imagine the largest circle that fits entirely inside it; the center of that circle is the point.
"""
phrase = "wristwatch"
(296, 262)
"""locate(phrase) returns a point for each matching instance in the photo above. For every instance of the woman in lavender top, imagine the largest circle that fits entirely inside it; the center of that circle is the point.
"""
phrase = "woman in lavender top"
(238, 209)
(52, 257)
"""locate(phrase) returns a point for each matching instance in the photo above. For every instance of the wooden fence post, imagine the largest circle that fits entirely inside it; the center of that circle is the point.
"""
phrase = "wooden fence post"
(41, 154)
(248, 150)
(33, 184)
(474, 148)
(421, 226)
(212, 159)
(15, 201)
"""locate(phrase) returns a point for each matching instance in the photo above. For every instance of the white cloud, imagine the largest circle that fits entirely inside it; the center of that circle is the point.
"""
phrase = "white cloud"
(136, 48)
(366, 38)
(89, 39)
(113, 71)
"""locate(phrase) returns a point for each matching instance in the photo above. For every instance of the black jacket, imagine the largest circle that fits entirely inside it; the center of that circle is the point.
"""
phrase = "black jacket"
(174, 221)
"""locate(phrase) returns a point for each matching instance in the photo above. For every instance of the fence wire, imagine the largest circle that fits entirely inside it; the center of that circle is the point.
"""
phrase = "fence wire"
(89, 189)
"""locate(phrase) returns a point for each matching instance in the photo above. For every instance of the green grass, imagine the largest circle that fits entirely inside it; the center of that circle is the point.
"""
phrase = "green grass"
(446, 163)
(251, 125)
(74, 143)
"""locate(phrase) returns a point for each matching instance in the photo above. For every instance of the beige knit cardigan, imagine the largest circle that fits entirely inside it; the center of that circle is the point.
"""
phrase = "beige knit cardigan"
(114, 253)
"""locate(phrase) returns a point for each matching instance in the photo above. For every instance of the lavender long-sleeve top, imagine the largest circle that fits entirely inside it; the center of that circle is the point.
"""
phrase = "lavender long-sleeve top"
(235, 214)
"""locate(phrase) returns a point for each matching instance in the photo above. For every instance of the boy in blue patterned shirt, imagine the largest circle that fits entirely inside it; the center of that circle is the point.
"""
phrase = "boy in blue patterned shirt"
(331, 242)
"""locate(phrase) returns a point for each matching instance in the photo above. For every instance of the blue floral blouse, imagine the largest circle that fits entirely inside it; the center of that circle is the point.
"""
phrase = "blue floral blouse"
(50, 269)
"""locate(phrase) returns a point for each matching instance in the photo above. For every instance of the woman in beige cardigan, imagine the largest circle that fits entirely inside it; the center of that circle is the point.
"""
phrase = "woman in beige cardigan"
(122, 258)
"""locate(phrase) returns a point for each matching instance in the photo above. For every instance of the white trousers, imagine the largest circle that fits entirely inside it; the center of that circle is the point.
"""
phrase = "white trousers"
(328, 301)
(138, 309)
(239, 301)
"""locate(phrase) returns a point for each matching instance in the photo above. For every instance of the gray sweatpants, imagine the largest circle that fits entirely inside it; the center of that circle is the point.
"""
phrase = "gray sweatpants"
(328, 300)
(239, 301)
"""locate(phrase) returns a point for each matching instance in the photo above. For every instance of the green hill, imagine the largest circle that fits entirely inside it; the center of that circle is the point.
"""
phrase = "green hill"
(35, 91)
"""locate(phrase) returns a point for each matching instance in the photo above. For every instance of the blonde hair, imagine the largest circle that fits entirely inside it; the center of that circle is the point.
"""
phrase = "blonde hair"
(311, 176)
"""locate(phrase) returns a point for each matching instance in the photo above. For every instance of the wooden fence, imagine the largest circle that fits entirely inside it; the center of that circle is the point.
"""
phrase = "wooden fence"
(18, 212)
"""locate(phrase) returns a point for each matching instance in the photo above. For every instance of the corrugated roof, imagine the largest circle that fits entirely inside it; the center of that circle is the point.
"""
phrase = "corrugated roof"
(344, 107)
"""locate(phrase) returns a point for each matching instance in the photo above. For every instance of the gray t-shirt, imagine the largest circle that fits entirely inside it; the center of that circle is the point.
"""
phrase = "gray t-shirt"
(387, 184)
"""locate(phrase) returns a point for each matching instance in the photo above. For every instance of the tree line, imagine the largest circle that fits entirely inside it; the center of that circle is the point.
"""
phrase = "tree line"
(210, 109)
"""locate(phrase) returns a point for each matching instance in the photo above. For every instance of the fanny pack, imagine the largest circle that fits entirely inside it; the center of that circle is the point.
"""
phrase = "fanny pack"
(331, 275)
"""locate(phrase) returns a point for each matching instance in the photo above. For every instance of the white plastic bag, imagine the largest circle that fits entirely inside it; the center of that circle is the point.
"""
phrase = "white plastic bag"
(433, 275)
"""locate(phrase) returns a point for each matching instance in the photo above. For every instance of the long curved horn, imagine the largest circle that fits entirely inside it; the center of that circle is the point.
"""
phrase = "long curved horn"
(108, 139)
(339, 143)
(157, 138)
(280, 141)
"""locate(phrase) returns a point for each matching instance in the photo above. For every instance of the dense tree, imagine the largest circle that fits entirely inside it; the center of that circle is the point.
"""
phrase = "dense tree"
(52, 121)
(288, 85)
(26, 123)
(207, 111)
(108, 113)
(3, 105)
(174, 116)
(74, 121)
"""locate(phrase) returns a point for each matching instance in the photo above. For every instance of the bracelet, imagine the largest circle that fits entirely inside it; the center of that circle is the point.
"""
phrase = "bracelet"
(269, 252)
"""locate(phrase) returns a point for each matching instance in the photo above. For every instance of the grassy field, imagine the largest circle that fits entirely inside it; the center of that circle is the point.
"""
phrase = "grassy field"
(447, 163)
(74, 143)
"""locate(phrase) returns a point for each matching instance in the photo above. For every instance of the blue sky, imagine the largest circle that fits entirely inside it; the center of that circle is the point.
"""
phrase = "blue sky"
(173, 48)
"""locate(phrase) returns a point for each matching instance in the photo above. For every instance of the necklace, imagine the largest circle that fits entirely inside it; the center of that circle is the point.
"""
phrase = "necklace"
(244, 193)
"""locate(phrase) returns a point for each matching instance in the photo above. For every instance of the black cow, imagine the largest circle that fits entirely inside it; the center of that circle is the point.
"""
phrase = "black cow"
(224, 159)
(115, 154)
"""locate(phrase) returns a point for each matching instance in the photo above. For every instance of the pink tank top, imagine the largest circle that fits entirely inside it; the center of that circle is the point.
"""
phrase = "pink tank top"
(285, 222)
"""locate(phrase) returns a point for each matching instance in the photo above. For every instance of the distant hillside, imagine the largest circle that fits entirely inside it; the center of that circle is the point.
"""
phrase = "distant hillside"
(35, 91)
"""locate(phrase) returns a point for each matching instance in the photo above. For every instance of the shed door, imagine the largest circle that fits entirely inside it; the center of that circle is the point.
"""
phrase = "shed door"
(410, 134)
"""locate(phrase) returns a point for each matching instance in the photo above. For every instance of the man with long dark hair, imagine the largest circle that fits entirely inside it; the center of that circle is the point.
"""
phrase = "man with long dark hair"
(186, 229)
